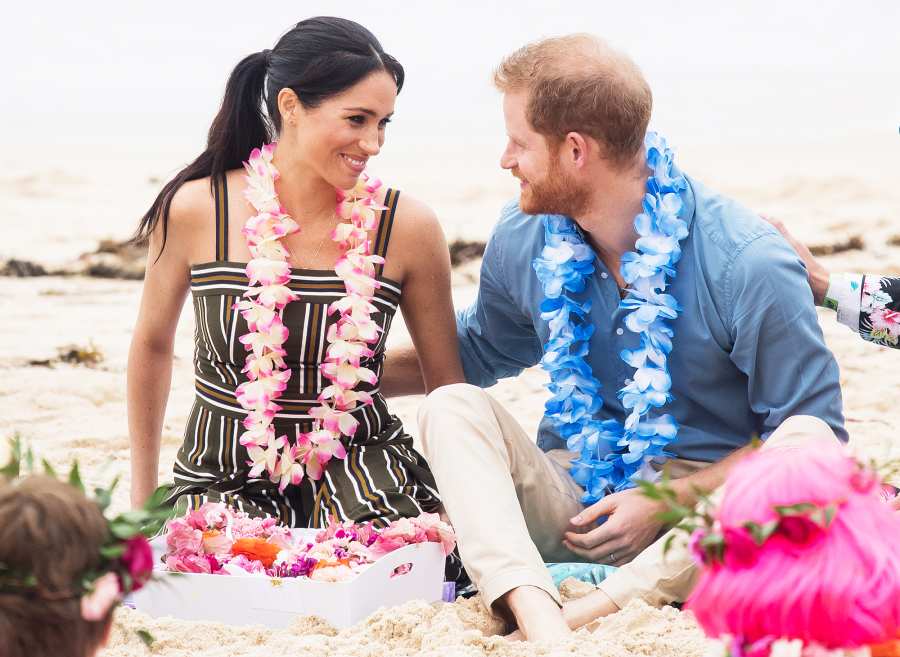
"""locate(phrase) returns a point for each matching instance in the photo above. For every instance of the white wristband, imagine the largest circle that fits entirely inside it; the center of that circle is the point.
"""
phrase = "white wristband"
(843, 295)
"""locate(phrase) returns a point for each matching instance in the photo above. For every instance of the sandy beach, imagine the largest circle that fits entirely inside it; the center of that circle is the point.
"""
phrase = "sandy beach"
(72, 411)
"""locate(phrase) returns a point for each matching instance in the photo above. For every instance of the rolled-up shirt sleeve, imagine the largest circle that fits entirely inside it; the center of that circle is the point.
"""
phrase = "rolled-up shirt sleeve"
(777, 340)
(496, 340)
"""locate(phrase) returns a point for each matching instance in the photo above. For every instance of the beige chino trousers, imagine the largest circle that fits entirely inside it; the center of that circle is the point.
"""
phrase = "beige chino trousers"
(510, 503)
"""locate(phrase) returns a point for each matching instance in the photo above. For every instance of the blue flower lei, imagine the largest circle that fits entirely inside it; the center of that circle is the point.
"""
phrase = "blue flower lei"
(613, 455)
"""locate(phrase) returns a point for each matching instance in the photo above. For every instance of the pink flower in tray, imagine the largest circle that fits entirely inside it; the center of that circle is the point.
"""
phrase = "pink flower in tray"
(339, 573)
(397, 534)
(188, 562)
(437, 531)
(216, 542)
(241, 565)
(181, 537)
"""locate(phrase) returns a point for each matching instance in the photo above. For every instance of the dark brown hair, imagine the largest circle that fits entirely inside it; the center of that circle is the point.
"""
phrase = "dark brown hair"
(318, 58)
(577, 83)
(51, 531)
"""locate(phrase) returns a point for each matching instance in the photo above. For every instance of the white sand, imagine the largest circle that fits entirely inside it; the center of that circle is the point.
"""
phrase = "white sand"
(70, 412)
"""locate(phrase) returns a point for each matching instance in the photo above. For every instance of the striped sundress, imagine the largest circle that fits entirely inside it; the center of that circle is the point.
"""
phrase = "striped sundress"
(382, 478)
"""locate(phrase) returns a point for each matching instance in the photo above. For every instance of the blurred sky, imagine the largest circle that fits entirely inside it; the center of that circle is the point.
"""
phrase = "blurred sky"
(152, 73)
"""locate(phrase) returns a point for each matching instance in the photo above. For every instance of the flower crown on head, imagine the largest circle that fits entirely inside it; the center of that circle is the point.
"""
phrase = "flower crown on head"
(737, 546)
(801, 525)
(126, 558)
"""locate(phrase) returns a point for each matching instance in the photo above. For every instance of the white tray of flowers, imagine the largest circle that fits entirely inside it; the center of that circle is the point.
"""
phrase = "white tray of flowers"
(220, 565)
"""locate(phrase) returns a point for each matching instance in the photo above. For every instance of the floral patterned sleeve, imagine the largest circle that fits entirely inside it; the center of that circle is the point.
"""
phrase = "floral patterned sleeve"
(870, 305)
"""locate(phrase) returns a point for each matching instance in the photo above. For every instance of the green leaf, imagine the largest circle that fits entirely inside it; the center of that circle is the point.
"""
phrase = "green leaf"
(799, 509)
(126, 580)
(668, 544)
(650, 489)
(103, 498)
(761, 533)
(123, 530)
(75, 477)
(134, 517)
(712, 540)
(29, 460)
(145, 637)
(13, 467)
(671, 516)
(159, 499)
(112, 551)
(49, 469)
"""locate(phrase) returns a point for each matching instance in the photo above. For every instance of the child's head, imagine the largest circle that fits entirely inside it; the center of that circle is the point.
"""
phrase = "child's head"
(50, 539)
(834, 581)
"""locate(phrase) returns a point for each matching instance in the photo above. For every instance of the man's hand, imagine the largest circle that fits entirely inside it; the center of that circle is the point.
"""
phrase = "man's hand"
(818, 275)
(632, 524)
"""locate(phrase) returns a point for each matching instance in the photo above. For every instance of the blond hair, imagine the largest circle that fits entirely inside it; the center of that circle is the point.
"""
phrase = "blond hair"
(577, 83)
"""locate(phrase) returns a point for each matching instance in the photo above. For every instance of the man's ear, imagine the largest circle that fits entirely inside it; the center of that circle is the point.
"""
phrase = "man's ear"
(577, 149)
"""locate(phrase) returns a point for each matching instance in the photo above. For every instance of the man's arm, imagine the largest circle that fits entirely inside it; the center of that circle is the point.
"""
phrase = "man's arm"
(401, 374)
(776, 338)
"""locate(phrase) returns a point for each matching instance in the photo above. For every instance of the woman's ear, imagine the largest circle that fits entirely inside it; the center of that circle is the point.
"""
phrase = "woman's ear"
(288, 106)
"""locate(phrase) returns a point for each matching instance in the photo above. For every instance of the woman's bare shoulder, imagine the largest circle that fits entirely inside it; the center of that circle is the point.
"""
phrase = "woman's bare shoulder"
(416, 219)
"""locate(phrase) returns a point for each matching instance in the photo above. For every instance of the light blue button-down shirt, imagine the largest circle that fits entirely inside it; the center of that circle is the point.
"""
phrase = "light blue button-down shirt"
(748, 350)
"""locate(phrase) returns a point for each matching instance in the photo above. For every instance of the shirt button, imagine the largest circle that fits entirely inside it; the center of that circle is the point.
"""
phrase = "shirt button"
(603, 274)
(619, 331)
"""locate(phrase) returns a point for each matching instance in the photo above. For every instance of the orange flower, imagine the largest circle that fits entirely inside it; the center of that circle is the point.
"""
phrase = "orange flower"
(889, 649)
(256, 548)
(331, 564)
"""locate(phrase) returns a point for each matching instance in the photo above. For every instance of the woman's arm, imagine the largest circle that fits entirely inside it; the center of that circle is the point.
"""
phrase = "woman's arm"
(149, 374)
(426, 302)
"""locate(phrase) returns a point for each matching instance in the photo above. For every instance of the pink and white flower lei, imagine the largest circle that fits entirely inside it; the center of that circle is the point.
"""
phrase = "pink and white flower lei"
(349, 339)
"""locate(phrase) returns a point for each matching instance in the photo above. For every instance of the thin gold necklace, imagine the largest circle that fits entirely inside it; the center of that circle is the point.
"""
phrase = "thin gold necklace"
(318, 248)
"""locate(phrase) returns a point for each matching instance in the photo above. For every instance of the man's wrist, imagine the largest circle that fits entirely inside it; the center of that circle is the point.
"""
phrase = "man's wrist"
(819, 281)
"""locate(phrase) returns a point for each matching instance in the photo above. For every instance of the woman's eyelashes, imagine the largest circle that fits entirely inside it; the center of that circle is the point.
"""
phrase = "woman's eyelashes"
(360, 120)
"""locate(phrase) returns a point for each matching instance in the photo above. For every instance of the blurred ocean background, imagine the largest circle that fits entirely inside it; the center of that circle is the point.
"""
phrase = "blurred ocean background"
(793, 107)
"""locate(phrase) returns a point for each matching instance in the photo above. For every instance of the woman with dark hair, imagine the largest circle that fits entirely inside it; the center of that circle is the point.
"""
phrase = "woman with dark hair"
(292, 302)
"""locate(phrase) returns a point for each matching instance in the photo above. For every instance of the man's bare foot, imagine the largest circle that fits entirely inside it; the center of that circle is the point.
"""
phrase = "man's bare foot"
(536, 613)
(587, 609)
